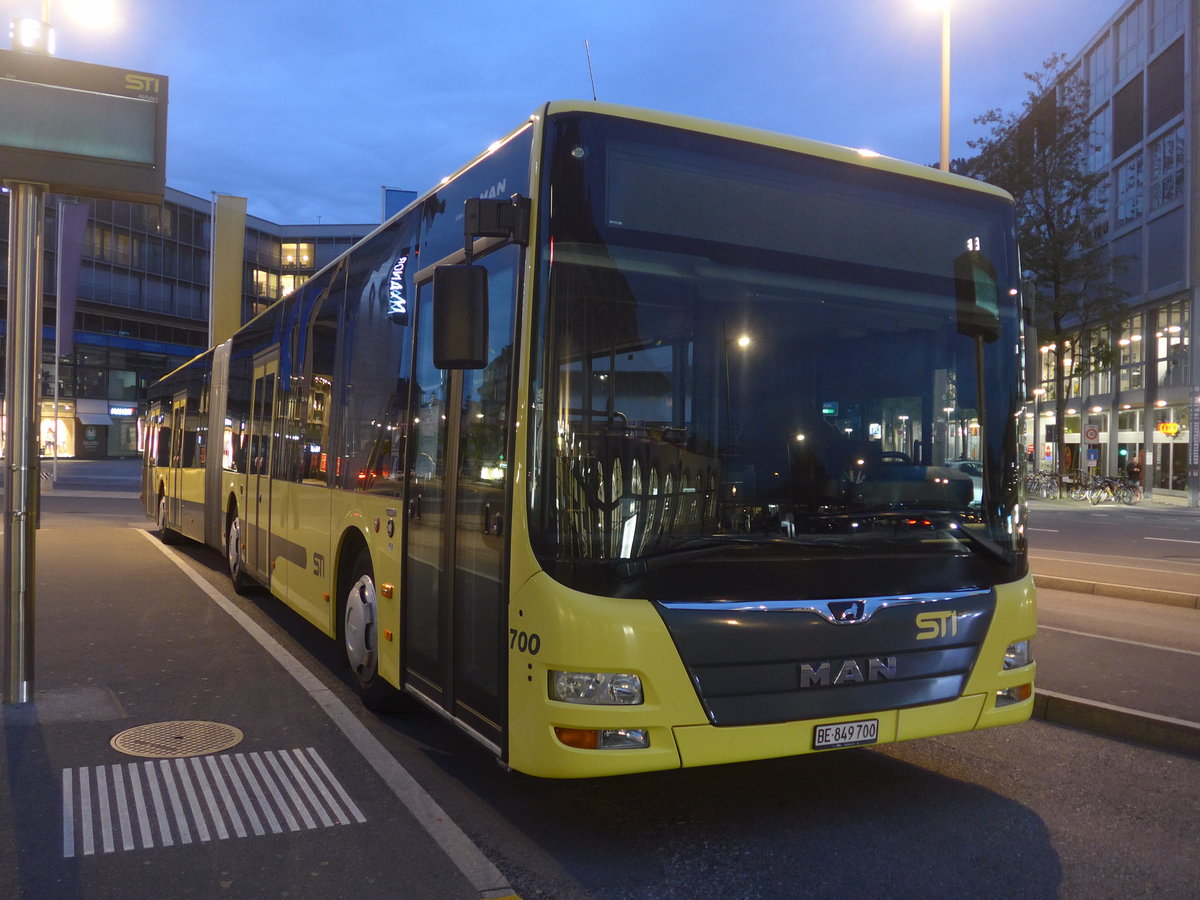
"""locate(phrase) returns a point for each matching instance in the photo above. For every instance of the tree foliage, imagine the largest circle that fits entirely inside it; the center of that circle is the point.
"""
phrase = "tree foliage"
(1041, 156)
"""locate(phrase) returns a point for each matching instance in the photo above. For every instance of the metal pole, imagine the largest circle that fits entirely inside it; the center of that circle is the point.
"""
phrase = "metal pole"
(945, 154)
(58, 259)
(23, 368)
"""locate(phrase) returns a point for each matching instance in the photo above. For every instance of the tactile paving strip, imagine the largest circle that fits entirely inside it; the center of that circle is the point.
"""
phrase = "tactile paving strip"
(172, 740)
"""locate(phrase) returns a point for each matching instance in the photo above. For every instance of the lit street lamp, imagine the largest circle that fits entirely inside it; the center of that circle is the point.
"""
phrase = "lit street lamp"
(944, 5)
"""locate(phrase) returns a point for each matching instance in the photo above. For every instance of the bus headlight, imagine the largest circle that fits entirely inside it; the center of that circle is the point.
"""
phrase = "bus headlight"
(596, 688)
(604, 739)
(1018, 654)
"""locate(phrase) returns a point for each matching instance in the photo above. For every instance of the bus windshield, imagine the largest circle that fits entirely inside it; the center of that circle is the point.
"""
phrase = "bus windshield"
(751, 354)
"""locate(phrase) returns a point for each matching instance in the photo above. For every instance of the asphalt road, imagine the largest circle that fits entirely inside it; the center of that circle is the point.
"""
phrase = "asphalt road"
(1037, 810)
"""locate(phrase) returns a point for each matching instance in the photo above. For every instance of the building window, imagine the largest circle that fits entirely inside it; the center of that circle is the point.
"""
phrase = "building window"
(1131, 42)
(289, 283)
(297, 256)
(1131, 353)
(1098, 137)
(1129, 191)
(1099, 71)
(266, 284)
(1171, 344)
(1166, 169)
(1166, 22)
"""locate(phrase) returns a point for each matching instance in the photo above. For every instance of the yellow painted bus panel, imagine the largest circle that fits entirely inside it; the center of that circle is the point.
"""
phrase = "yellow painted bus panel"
(301, 550)
(579, 632)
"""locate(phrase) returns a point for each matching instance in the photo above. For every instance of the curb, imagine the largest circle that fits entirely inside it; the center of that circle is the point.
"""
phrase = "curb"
(1163, 732)
(1120, 591)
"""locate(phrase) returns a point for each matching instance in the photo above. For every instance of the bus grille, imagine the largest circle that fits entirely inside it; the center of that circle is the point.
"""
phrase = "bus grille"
(762, 663)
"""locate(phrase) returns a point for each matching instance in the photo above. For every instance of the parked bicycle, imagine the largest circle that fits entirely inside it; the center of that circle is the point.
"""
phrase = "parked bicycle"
(1043, 485)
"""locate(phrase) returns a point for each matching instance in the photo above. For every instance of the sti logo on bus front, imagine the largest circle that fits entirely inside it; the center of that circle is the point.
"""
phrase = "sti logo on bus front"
(932, 625)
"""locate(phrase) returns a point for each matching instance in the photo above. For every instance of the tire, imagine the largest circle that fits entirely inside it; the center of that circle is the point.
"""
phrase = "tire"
(165, 534)
(358, 628)
(242, 583)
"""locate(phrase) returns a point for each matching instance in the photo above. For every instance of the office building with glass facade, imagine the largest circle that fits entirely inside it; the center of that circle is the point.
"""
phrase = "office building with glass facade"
(143, 307)
(1142, 74)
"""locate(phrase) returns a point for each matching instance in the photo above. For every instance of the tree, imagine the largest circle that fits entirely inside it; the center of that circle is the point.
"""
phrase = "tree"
(1041, 156)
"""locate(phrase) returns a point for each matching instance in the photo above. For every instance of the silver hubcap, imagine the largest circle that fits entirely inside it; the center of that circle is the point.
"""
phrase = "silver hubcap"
(360, 626)
(235, 546)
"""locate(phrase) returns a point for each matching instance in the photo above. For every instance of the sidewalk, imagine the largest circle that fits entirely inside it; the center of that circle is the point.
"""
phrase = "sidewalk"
(175, 749)
(1160, 501)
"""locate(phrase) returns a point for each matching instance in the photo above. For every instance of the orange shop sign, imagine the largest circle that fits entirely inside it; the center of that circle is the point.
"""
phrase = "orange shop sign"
(1170, 429)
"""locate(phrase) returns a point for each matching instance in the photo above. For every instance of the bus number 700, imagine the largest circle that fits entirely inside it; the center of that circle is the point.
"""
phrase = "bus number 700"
(524, 642)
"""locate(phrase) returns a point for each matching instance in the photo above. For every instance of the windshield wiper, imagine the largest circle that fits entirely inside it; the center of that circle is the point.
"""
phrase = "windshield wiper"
(957, 527)
(627, 568)
(705, 546)
(981, 542)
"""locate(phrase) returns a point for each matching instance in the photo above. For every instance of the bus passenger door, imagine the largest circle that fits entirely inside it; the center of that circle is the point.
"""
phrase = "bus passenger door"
(258, 467)
(455, 609)
(175, 472)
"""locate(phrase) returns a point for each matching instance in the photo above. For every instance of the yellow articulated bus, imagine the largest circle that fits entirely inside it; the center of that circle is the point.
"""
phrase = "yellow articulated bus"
(639, 443)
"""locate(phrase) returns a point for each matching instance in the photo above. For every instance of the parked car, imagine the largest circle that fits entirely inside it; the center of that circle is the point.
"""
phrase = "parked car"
(973, 468)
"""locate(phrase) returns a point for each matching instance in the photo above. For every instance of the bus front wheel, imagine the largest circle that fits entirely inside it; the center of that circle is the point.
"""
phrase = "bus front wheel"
(165, 533)
(359, 627)
(242, 583)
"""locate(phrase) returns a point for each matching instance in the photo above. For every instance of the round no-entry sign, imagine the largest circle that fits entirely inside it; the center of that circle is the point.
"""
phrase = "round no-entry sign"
(1091, 434)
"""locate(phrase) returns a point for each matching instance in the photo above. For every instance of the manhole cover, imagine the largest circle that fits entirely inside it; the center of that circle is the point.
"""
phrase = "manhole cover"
(164, 740)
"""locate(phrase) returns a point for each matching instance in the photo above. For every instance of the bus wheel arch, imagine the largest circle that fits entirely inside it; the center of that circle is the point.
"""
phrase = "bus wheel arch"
(357, 623)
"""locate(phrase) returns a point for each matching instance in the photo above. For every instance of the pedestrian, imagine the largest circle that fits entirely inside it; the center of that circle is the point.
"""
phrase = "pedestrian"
(1134, 471)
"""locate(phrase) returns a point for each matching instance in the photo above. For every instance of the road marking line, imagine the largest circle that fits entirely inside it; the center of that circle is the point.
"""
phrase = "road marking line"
(255, 822)
(1172, 540)
(106, 832)
(239, 827)
(194, 811)
(164, 830)
(210, 801)
(475, 866)
(189, 793)
(185, 833)
(1047, 530)
(123, 808)
(1094, 562)
(85, 802)
(68, 814)
(1105, 637)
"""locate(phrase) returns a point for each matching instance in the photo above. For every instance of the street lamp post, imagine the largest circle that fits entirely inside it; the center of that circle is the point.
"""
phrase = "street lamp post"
(945, 143)
(944, 155)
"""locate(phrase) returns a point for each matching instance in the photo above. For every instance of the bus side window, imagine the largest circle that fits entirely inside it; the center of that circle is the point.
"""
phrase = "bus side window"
(164, 446)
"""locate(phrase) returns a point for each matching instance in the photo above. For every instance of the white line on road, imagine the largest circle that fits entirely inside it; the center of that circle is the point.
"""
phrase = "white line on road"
(1173, 540)
(1051, 530)
(1105, 637)
(1037, 557)
(480, 871)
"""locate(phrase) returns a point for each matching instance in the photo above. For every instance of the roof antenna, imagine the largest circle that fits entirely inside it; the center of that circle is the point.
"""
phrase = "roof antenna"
(588, 51)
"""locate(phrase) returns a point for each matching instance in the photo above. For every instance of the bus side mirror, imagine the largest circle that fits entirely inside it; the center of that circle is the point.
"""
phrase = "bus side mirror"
(977, 296)
(460, 317)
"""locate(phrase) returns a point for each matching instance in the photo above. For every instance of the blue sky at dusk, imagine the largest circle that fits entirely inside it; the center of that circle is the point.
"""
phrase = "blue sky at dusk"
(308, 107)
